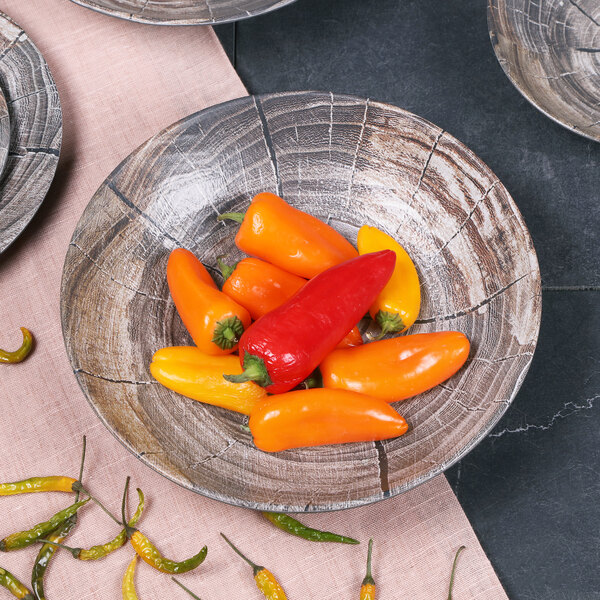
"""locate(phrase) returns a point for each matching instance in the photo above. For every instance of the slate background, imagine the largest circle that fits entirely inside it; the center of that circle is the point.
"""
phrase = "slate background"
(532, 488)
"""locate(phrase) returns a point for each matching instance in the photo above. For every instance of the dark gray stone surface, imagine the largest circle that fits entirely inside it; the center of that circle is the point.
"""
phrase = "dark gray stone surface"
(532, 489)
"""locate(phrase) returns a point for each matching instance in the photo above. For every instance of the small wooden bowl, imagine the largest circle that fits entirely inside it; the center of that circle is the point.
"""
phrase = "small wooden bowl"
(183, 12)
(349, 162)
(550, 51)
(35, 131)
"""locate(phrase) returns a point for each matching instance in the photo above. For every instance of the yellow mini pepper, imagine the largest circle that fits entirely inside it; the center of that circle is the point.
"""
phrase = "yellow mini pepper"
(397, 306)
(188, 371)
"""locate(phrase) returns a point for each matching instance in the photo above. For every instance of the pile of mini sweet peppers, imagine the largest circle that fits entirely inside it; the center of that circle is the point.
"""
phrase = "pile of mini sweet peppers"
(51, 534)
(290, 311)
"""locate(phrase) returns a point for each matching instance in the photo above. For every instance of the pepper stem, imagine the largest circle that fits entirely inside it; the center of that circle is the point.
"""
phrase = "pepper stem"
(238, 217)
(254, 370)
(227, 333)
(368, 580)
(255, 567)
(81, 467)
(77, 487)
(128, 529)
(226, 270)
(453, 572)
(74, 551)
(389, 323)
(186, 589)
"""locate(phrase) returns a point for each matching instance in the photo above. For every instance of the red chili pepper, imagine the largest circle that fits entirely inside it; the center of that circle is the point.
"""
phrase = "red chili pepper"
(285, 346)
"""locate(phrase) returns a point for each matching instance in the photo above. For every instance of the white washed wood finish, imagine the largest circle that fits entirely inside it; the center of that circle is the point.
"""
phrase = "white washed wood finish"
(550, 50)
(4, 131)
(35, 130)
(183, 12)
(349, 162)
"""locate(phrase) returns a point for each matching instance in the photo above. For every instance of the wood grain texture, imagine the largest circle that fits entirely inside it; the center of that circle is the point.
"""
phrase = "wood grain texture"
(551, 52)
(35, 130)
(4, 131)
(348, 161)
(183, 12)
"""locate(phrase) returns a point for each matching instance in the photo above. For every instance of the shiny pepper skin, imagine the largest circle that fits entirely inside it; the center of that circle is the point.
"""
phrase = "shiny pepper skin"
(397, 306)
(149, 554)
(285, 346)
(212, 318)
(38, 484)
(14, 586)
(396, 368)
(318, 416)
(188, 371)
(291, 239)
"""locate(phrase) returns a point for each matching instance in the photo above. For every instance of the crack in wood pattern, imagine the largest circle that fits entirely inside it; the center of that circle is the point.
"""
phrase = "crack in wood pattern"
(183, 12)
(550, 53)
(35, 130)
(344, 164)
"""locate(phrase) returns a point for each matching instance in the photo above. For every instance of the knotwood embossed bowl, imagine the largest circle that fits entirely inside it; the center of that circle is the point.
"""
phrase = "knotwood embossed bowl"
(550, 51)
(34, 133)
(348, 161)
(183, 12)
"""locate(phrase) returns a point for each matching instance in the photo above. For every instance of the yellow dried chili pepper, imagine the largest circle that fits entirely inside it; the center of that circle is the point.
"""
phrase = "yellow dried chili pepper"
(38, 484)
(192, 373)
(265, 580)
(14, 586)
(128, 581)
(367, 590)
(397, 306)
(22, 352)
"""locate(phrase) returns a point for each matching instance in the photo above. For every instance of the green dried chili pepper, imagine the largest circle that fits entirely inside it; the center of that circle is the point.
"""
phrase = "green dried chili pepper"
(287, 523)
(45, 554)
(14, 586)
(23, 539)
(21, 353)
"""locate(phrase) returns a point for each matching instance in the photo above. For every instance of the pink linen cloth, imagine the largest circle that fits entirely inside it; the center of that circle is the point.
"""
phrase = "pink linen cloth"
(120, 83)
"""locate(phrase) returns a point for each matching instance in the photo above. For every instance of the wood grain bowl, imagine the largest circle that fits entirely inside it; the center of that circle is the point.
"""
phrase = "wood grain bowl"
(183, 12)
(4, 131)
(551, 52)
(35, 130)
(348, 161)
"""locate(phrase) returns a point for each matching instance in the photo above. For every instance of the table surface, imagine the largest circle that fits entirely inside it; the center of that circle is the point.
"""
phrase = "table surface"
(530, 489)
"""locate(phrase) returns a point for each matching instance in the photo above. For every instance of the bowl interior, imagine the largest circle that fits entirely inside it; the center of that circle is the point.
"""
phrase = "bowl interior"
(348, 161)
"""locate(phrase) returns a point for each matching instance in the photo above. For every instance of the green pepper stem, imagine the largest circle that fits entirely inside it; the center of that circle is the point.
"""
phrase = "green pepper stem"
(78, 487)
(227, 332)
(255, 567)
(81, 467)
(453, 572)
(128, 529)
(389, 323)
(74, 551)
(238, 217)
(254, 370)
(186, 589)
(226, 270)
(21, 353)
(368, 580)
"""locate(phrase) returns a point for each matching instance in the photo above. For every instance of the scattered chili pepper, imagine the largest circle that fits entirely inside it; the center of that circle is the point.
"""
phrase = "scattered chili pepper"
(188, 371)
(23, 539)
(451, 585)
(397, 368)
(265, 580)
(353, 338)
(146, 550)
(21, 353)
(282, 348)
(45, 554)
(258, 286)
(128, 586)
(38, 484)
(320, 416)
(289, 238)
(397, 306)
(14, 586)
(186, 589)
(291, 525)
(367, 589)
(213, 319)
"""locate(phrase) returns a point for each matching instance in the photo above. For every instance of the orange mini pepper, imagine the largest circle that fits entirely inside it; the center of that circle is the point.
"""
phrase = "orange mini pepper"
(353, 338)
(289, 238)
(396, 368)
(397, 306)
(259, 286)
(188, 371)
(212, 318)
(316, 417)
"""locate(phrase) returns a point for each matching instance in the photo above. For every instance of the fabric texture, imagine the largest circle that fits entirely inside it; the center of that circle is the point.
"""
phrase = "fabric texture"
(120, 83)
